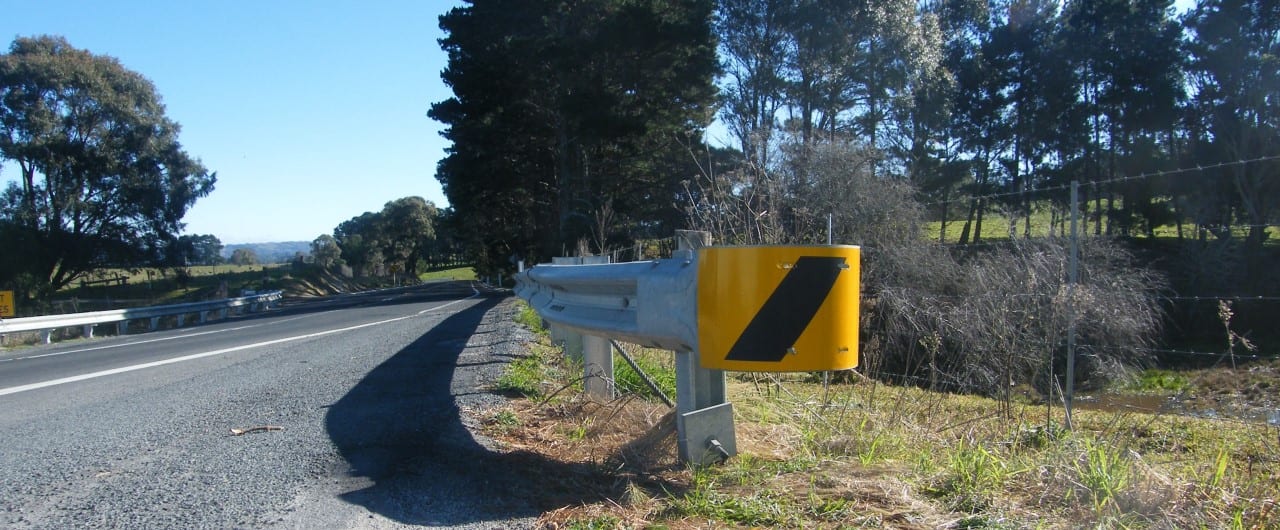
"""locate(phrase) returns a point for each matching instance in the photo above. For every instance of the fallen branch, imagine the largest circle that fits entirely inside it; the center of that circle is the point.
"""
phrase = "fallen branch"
(264, 428)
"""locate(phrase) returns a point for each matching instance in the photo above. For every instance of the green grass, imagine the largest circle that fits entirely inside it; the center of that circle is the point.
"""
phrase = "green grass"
(1158, 381)
(524, 376)
(659, 365)
(459, 273)
(149, 285)
(995, 227)
(527, 317)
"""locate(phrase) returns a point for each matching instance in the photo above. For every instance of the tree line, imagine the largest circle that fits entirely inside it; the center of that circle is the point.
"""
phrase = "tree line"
(407, 236)
(969, 98)
(582, 121)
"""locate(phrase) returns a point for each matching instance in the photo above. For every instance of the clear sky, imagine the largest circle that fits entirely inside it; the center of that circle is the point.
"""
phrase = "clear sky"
(311, 112)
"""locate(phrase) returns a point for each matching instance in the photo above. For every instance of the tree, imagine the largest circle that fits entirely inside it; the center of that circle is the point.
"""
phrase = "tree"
(754, 42)
(400, 236)
(1125, 54)
(244, 256)
(203, 249)
(571, 120)
(1235, 114)
(325, 251)
(408, 229)
(103, 178)
(358, 238)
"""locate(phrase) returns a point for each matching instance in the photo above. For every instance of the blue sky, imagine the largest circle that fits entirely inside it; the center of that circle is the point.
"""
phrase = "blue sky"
(311, 112)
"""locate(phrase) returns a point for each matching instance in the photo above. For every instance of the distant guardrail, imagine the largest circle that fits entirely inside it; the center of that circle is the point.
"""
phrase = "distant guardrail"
(46, 325)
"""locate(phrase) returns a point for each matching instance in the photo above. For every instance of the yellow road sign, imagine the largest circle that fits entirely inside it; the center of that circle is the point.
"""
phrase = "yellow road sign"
(7, 308)
(778, 309)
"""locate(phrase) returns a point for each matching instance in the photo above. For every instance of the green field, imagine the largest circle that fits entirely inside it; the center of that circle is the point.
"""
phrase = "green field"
(995, 227)
(151, 286)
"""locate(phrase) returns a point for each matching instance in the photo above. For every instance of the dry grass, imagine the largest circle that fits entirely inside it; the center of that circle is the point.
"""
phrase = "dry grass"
(868, 455)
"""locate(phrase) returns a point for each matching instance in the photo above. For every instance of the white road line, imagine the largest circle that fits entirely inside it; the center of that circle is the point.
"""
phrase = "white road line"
(135, 343)
(124, 369)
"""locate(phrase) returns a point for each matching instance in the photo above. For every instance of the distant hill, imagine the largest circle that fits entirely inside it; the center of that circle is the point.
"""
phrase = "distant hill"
(279, 252)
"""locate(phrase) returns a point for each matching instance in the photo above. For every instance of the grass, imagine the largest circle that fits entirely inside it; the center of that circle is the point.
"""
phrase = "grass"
(459, 273)
(147, 286)
(873, 455)
(1159, 381)
(995, 227)
(525, 376)
(156, 284)
(527, 317)
(658, 365)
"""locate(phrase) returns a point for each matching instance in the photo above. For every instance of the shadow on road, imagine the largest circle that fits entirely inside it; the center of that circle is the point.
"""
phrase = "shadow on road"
(401, 428)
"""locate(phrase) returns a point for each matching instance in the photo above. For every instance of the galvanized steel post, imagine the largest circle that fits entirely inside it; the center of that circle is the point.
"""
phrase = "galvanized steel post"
(704, 417)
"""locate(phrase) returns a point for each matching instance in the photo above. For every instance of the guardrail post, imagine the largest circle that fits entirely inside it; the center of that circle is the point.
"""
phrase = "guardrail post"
(87, 331)
(223, 314)
(122, 328)
(569, 341)
(204, 317)
(182, 319)
(46, 336)
(597, 367)
(704, 417)
(154, 324)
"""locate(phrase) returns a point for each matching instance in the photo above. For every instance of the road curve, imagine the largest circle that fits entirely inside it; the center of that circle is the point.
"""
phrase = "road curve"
(372, 396)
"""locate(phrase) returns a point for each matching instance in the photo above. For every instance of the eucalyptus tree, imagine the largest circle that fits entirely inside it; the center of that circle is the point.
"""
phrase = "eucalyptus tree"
(102, 177)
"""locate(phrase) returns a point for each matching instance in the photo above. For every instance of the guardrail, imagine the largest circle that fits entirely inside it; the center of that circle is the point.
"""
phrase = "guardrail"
(781, 309)
(88, 321)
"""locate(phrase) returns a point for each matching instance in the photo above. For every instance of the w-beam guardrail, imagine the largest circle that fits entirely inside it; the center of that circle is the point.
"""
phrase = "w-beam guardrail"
(47, 324)
(774, 309)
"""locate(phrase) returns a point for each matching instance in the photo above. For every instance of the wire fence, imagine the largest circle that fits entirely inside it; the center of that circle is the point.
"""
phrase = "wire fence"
(1246, 350)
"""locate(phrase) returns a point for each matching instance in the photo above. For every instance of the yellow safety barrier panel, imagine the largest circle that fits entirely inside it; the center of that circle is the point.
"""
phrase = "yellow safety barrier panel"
(7, 308)
(778, 309)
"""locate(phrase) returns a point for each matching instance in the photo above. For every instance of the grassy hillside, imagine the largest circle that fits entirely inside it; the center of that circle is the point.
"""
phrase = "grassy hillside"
(149, 286)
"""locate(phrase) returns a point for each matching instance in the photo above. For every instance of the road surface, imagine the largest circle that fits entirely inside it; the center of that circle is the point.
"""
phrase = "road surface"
(373, 396)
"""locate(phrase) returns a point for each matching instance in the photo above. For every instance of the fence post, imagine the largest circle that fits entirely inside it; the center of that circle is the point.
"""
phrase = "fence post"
(1073, 274)
(704, 417)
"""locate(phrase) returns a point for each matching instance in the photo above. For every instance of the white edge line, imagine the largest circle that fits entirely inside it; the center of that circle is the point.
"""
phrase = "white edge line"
(124, 369)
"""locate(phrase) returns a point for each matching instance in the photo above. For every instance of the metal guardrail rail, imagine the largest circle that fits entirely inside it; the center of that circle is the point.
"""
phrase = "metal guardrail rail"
(781, 309)
(648, 302)
(47, 324)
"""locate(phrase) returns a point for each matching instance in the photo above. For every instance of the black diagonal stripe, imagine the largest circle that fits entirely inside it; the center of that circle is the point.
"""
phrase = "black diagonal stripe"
(779, 323)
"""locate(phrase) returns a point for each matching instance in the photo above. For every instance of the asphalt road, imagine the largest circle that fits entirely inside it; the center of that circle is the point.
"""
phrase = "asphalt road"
(375, 397)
